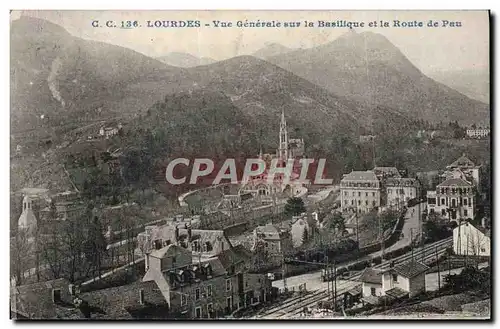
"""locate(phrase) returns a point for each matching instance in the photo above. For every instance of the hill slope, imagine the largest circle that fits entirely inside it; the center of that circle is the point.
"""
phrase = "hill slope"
(60, 76)
(367, 67)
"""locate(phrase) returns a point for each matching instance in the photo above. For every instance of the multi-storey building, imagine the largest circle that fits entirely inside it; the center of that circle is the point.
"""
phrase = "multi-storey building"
(360, 191)
(468, 170)
(205, 288)
(401, 190)
(478, 133)
(453, 199)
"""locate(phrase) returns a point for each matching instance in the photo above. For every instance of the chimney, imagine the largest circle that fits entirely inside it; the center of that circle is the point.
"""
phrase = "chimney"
(483, 222)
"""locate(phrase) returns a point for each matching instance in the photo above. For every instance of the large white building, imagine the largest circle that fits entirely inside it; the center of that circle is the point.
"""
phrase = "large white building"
(471, 241)
(359, 192)
(401, 190)
(478, 133)
(453, 199)
(466, 169)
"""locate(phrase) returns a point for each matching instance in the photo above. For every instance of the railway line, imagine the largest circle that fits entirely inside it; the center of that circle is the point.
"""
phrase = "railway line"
(296, 304)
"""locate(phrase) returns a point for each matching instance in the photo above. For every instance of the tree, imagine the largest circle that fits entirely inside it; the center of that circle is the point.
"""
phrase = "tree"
(294, 206)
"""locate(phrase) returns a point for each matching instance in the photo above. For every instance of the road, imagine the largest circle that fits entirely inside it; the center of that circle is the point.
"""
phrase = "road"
(412, 224)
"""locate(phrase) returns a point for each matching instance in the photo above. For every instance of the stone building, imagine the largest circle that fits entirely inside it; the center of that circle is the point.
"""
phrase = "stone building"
(453, 199)
(400, 190)
(360, 191)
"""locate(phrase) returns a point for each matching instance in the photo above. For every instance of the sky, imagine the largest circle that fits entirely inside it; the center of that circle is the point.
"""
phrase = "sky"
(429, 48)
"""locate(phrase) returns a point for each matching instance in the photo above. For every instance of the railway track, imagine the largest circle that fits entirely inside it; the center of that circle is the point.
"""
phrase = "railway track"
(296, 304)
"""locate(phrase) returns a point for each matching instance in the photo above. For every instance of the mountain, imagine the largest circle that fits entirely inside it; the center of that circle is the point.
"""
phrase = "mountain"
(474, 83)
(185, 60)
(64, 78)
(271, 49)
(367, 67)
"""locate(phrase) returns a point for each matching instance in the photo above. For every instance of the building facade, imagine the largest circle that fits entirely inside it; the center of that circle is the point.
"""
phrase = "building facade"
(401, 190)
(453, 199)
(359, 192)
(478, 133)
(471, 241)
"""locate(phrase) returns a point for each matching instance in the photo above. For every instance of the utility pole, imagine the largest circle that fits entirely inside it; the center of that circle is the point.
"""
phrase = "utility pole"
(439, 272)
(285, 288)
(327, 276)
(411, 242)
(335, 286)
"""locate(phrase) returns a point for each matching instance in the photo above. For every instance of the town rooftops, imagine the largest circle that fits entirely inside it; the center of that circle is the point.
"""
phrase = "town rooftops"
(36, 301)
(402, 182)
(410, 269)
(360, 176)
(370, 275)
(455, 182)
(124, 302)
(235, 255)
(463, 162)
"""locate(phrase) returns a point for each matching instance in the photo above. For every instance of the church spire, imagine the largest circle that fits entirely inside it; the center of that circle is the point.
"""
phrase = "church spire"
(283, 149)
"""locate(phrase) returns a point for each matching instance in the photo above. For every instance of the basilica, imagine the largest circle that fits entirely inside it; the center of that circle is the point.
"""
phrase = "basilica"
(288, 150)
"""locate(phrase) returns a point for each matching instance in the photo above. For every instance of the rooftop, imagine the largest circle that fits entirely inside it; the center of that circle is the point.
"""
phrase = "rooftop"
(360, 176)
(463, 161)
(392, 171)
(455, 182)
(410, 269)
(370, 275)
(402, 182)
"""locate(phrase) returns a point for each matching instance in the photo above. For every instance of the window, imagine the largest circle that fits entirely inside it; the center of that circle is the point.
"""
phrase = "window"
(197, 294)
(209, 290)
(198, 312)
(229, 304)
(373, 203)
(352, 202)
(359, 202)
(359, 193)
(228, 284)
(373, 193)
(395, 277)
(443, 212)
(353, 194)
(183, 300)
(483, 249)
(373, 292)
(246, 284)
(141, 296)
(210, 309)
(345, 193)
(366, 202)
(465, 201)
(465, 213)
(366, 194)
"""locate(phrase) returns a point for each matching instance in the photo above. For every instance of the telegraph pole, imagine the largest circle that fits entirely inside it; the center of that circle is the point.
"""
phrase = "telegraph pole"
(439, 272)
(335, 286)
(411, 242)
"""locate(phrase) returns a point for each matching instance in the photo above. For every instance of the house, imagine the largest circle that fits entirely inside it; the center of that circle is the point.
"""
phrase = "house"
(275, 240)
(468, 168)
(371, 285)
(400, 190)
(202, 243)
(471, 241)
(408, 277)
(205, 288)
(396, 283)
(302, 229)
(138, 300)
(453, 199)
(478, 133)
(109, 132)
(359, 191)
(43, 301)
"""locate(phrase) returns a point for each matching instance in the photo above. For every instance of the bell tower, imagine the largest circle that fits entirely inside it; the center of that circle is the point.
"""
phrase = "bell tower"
(283, 149)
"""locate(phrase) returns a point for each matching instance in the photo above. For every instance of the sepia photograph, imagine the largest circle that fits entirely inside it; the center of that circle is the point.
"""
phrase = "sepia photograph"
(250, 165)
